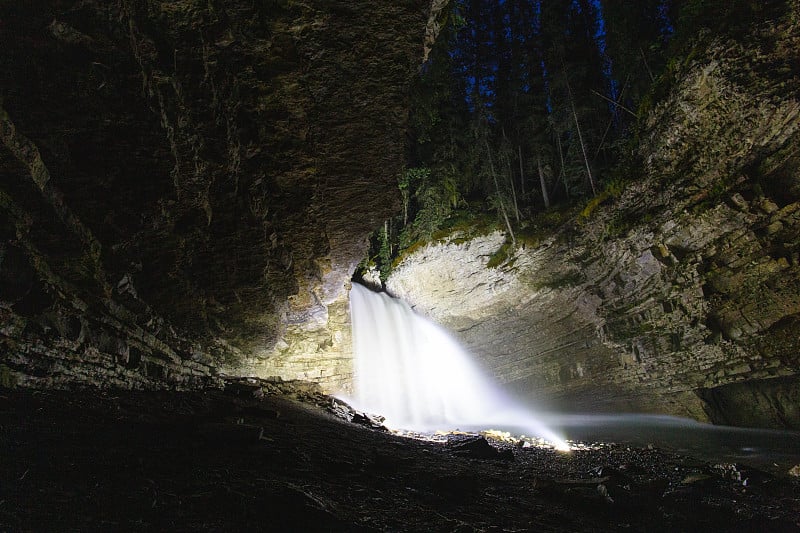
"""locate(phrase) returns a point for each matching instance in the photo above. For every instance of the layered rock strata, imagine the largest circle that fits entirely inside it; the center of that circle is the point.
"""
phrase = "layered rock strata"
(682, 294)
(188, 185)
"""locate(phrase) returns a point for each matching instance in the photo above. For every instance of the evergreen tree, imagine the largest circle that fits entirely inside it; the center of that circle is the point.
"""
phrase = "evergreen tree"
(577, 85)
(636, 35)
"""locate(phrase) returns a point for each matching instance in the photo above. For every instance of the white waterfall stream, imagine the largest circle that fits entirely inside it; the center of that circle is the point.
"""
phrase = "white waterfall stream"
(412, 372)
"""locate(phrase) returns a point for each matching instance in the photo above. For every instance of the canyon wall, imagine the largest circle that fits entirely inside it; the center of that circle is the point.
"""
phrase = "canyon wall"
(680, 293)
(186, 186)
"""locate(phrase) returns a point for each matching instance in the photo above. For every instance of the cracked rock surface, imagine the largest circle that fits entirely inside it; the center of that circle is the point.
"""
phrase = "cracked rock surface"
(681, 295)
(188, 185)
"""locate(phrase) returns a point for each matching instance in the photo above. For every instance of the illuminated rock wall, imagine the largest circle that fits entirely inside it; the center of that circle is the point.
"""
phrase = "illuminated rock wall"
(684, 284)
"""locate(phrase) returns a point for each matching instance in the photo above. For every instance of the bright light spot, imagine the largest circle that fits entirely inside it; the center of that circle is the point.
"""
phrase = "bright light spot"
(562, 446)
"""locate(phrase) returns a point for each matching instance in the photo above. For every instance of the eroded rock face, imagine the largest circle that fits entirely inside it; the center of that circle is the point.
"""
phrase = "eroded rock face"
(680, 297)
(189, 184)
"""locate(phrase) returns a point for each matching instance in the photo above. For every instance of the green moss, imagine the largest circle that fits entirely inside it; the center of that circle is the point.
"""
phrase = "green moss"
(777, 174)
(467, 225)
(554, 217)
(7, 379)
(531, 237)
(405, 252)
(615, 186)
(592, 205)
(457, 229)
(710, 197)
(459, 240)
(500, 256)
(644, 327)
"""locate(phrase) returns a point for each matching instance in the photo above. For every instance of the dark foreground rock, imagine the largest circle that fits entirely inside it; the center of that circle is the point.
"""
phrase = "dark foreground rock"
(189, 461)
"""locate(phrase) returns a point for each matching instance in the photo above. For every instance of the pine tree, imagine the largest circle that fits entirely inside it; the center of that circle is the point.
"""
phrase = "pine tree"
(636, 35)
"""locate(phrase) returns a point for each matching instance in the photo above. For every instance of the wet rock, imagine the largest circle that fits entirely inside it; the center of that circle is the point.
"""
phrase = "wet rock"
(477, 447)
(695, 478)
(772, 402)
(243, 387)
(727, 471)
(738, 200)
(602, 490)
(588, 491)
(372, 279)
(365, 419)
(258, 411)
(343, 410)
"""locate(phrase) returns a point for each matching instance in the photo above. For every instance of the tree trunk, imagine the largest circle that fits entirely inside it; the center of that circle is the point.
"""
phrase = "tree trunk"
(562, 171)
(615, 104)
(578, 129)
(583, 149)
(513, 191)
(543, 183)
(647, 66)
(500, 196)
(386, 235)
(521, 171)
(507, 165)
(611, 120)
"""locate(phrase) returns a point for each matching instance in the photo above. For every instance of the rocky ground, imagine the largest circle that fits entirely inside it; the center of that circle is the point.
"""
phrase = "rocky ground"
(256, 458)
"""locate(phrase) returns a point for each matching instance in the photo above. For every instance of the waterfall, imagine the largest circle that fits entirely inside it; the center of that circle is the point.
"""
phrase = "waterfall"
(412, 372)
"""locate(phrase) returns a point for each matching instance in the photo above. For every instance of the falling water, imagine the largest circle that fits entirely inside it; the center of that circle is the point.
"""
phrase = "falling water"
(413, 373)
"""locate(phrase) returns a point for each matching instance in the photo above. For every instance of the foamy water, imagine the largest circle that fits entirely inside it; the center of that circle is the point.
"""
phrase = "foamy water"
(412, 372)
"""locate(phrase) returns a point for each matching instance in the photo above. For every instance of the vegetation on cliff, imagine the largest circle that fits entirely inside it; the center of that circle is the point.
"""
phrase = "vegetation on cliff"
(683, 293)
(526, 105)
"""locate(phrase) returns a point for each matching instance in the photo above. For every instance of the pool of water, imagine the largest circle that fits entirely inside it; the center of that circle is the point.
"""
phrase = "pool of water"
(757, 447)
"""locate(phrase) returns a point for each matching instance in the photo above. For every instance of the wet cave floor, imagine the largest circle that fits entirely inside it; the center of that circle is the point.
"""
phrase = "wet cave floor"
(227, 460)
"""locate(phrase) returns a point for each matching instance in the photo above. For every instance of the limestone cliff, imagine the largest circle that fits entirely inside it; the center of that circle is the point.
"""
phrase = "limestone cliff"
(189, 184)
(680, 294)
(186, 186)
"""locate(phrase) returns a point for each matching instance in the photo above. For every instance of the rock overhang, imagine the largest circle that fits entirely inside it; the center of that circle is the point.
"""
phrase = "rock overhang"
(213, 171)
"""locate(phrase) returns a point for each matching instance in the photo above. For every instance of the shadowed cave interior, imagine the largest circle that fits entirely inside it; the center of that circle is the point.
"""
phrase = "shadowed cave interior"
(597, 202)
